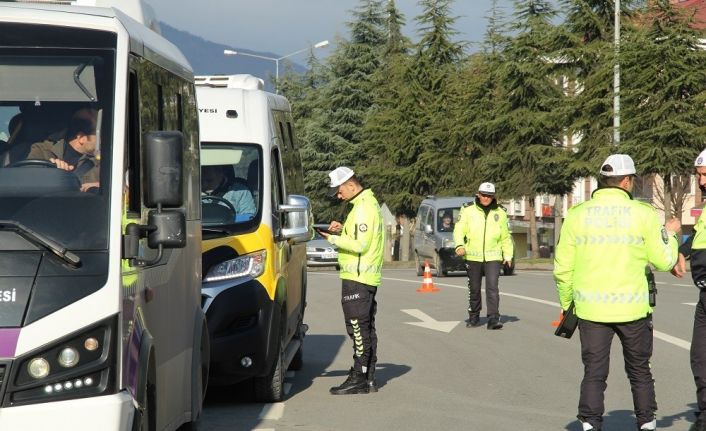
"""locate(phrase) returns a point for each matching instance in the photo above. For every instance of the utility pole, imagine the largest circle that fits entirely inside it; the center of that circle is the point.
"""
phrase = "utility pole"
(616, 76)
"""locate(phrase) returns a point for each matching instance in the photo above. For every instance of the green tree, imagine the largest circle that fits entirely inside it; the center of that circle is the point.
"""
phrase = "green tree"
(663, 96)
(529, 159)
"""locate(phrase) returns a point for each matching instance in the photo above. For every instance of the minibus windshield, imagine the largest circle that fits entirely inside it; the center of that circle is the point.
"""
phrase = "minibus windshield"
(230, 186)
(56, 110)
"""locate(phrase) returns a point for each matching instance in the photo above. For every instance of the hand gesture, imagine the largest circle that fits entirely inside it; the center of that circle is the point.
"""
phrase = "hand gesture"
(680, 268)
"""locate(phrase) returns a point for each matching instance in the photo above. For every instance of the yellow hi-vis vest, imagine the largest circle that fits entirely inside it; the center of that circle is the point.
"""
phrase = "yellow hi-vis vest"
(484, 237)
(603, 249)
(362, 241)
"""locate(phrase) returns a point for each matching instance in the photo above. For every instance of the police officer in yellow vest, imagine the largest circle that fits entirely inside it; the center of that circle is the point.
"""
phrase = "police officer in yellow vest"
(695, 249)
(483, 238)
(360, 242)
(600, 261)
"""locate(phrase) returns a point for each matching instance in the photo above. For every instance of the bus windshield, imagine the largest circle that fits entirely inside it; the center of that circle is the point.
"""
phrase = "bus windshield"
(230, 186)
(56, 108)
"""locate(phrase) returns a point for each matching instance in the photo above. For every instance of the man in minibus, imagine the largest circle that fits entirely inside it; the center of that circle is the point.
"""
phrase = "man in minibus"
(76, 152)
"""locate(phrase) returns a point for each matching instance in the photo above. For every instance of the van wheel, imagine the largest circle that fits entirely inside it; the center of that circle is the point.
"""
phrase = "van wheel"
(420, 267)
(270, 388)
(441, 271)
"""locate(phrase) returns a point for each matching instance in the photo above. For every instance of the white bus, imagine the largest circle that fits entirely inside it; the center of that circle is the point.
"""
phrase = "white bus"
(101, 326)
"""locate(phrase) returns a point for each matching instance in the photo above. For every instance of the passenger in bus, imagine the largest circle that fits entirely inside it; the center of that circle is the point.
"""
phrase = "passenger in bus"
(76, 152)
(214, 182)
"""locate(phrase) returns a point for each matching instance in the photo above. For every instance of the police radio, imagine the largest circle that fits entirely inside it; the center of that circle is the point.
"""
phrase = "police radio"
(651, 286)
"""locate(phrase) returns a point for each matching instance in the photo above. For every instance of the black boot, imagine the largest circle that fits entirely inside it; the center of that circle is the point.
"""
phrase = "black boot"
(494, 323)
(472, 321)
(356, 383)
(699, 425)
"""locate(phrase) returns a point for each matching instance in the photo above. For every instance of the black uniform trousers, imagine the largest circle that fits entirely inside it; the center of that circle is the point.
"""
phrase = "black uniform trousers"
(698, 352)
(475, 271)
(636, 338)
(359, 308)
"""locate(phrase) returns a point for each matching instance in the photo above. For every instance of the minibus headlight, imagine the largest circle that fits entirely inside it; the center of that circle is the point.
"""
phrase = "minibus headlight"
(38, 368)
(68, 357)
(249, 265)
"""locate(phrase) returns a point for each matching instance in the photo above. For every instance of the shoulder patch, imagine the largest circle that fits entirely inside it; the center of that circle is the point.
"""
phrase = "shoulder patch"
(665, 236)
(363, 227)
(467, 204)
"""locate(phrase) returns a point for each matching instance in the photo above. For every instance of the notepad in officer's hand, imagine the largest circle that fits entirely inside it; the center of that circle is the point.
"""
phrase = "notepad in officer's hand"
(568, 323)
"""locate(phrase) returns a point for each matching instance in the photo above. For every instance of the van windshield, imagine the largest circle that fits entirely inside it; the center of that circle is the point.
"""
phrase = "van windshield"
(231, 184)
(56, 103)
(446, 218)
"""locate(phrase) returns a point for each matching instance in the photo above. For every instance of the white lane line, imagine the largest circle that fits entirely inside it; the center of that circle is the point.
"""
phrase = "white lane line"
(672, 340)
(693, 304)
(272, 412)
(657, 334)
(683, 285)
(287, 387)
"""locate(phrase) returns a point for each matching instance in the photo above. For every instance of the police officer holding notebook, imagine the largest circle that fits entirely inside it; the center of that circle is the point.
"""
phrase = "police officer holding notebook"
(600, 261)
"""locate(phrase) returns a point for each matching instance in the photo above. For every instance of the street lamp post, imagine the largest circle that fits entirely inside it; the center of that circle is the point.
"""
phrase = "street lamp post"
(616, 76)
(276, 59)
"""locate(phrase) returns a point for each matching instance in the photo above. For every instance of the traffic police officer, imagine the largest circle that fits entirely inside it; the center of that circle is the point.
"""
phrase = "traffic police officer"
(695, 249)
(599, 264)
(360, 242)
(483, 238)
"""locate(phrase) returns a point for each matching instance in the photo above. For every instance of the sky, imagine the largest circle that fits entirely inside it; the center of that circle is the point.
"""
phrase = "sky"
(282, 27)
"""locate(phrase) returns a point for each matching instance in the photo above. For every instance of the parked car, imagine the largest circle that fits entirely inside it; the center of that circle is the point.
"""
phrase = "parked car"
(433, 239)
(319, 252)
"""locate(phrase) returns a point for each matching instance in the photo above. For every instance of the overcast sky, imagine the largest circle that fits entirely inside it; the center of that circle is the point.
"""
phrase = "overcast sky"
(284, 26)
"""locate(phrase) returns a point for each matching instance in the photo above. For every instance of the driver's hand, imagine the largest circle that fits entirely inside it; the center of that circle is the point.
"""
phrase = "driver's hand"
(62, 164)
(86, 186)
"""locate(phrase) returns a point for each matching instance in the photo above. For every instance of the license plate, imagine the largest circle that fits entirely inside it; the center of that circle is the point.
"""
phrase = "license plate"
(330, 255)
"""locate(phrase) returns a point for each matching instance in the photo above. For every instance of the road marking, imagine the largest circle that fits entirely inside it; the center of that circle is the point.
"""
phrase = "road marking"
(659, 335)
(683, 285)
(272, 412)
(429, 322)
(693, 304)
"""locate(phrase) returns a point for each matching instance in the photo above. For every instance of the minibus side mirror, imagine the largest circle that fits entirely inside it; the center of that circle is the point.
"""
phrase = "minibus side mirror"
(163, 169)
(299, 220)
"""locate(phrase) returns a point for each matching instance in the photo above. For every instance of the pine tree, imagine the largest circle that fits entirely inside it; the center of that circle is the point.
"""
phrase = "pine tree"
(529, 159)
(663, 96)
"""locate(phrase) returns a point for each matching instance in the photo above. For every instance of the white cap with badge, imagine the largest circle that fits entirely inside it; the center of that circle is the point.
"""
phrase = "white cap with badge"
(618, 165)
(487, 189)
(339, 176)
(701, 159)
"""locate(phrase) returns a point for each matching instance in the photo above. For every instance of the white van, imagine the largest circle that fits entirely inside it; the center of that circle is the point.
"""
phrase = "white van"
(255, 222)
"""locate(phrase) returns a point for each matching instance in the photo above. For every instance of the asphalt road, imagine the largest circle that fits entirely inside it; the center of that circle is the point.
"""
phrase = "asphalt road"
(436, 374)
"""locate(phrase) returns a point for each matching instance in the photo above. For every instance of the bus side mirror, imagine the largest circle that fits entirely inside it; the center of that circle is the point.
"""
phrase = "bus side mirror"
(163, 169)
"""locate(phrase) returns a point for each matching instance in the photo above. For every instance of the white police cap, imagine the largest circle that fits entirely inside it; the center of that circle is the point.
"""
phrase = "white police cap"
(618, 165)
(701, 159)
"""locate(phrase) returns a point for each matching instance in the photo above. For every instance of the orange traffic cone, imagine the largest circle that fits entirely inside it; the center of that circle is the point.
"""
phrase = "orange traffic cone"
(427, 282)
(556, 323)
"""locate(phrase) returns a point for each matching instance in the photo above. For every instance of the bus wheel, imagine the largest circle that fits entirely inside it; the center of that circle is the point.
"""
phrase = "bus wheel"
(144, 418)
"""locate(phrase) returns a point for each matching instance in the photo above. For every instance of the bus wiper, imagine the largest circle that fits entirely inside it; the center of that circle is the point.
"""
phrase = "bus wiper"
(54, 247)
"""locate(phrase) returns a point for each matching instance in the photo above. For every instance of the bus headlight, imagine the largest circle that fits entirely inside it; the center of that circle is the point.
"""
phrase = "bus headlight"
(68, 357)
(249, 265)
(38, 368)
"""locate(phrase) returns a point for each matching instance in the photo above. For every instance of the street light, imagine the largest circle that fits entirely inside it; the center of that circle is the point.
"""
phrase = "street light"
(275, 59)
(616, 76)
